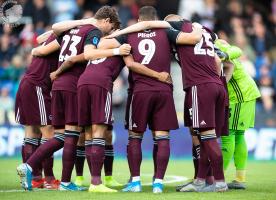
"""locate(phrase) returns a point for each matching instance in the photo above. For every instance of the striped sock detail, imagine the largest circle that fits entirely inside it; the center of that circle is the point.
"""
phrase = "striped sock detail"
(98, 142)
(80, 153)
(154, 141)
(59, 136)
(208, 137)
(135, 137)
(109, 152)
(69, 133)
(43, 140)
(87, 142)
(163, 137)
(32, 141)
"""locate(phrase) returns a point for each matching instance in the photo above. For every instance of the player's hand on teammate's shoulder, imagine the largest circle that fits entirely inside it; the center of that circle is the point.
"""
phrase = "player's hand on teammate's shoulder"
(165, 77)
(53, 76)
(197, 25)
(113, 34)
(197, 28)
(125, 49)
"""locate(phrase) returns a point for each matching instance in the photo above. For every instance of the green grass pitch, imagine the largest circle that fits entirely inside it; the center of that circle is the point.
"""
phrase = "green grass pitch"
(261, 182)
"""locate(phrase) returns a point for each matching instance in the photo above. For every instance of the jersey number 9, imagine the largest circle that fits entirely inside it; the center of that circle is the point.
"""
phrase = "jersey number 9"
(146, 48)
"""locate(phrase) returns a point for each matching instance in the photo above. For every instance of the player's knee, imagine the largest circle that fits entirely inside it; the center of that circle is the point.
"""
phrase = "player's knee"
(47, 131)
(135, 134)
(73, 128)
(98, 134)
(207, 131)
(32, 132)
(161, 133)
(98, 130)
(108, 137)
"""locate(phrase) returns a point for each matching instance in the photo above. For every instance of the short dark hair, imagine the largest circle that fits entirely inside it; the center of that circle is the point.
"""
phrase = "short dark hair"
(147, 13)
(108, 12)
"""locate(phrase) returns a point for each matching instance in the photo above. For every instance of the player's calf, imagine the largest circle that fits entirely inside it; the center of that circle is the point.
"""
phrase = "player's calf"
(162, 160)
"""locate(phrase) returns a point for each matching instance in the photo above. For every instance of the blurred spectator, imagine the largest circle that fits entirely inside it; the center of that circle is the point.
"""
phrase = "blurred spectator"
(64, 9)
(266, 89)
(7, 50)
(7, 102)
(187, 8)
(40, 13)
(14, 71)
(128, 12)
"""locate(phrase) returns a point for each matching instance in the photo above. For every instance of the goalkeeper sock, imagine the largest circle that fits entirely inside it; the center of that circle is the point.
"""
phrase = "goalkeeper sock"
(240, 156)
(228, 148)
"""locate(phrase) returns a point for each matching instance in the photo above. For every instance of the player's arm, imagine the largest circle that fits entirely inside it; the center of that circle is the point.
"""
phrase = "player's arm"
(60, 27)
(43, 37)
(179, 37)
(228, 69)
(218, 64)
(67, 64)
(112, 43)
(96, 48)
(139, 27)
(45, 50)
(143, 70)
(91, 52)
(233, 52)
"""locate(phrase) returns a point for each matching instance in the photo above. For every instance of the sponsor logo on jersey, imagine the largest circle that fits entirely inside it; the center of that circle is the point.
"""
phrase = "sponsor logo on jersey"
(95, 40)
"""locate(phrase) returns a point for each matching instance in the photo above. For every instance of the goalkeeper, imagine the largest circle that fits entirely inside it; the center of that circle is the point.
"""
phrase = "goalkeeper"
(243, 93)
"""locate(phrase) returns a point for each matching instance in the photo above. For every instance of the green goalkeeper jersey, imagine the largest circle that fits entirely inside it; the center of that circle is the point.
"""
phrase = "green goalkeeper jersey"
(241, 87)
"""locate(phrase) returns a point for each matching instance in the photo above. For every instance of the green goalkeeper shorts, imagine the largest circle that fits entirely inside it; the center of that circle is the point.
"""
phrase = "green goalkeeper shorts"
(242, 115)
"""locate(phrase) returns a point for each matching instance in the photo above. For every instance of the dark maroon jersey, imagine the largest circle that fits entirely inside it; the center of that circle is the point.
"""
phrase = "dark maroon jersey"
(72, 44)
(102, 72)
(130, 83)
(151, 48)
(40, 68)
(197, 62)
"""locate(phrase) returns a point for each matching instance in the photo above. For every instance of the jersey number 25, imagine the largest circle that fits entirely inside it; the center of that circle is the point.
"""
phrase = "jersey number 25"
(199, 50)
